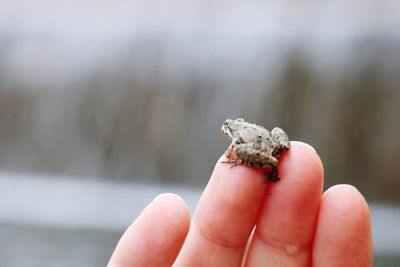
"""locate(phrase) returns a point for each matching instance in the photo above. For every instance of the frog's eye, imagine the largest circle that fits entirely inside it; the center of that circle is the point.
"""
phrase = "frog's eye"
(226, 128)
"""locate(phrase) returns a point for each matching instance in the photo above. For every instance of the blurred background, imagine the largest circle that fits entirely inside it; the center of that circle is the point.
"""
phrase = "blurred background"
(105, 104)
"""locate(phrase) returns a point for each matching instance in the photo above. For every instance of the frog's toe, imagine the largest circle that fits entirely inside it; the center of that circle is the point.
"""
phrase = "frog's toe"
(234, 162)
(273, 176)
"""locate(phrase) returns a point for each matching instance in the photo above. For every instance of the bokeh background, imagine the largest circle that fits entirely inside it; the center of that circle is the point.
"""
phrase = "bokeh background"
(105, 104)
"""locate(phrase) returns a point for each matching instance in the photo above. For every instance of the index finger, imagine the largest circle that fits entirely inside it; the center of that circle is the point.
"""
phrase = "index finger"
(225, 216)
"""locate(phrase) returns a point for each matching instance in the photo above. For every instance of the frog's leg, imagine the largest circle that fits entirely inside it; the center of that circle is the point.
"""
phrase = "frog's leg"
(281, 137)
(231, 160)
(237, 154)
(259, 159)
(254, 157)
(246, 154)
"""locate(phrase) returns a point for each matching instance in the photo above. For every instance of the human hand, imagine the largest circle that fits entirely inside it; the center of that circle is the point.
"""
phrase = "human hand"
(297, 224)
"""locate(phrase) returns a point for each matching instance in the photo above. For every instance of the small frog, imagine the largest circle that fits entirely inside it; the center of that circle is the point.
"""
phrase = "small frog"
(255, 146)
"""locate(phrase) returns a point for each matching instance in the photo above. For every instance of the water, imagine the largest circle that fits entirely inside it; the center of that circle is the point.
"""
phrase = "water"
(44, 246)
(64, 221)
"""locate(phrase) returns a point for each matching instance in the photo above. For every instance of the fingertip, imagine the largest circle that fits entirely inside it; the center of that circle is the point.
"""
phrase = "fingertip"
(345, 190)
(304, 145)
(156, 236)
(302, 175)
(346, 198)
(304, 156)
(171, 200)
(179, 214)
(343, 233)
(347, 205)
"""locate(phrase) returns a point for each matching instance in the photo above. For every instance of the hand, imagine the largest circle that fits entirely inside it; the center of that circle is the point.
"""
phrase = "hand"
(297, 224)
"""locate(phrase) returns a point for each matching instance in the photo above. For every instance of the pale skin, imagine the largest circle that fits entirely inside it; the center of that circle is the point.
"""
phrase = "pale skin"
(296, 223)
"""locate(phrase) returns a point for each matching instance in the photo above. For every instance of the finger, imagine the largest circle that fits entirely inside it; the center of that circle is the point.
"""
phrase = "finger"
(343, 236)
(224, 217)
(285, 229)
(156, 236)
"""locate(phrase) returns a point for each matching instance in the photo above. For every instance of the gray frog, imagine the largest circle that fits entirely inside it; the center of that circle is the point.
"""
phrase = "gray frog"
(255, 146)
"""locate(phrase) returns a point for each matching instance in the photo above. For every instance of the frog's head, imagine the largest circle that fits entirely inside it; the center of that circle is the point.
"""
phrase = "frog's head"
(230, 127)
(227, 128)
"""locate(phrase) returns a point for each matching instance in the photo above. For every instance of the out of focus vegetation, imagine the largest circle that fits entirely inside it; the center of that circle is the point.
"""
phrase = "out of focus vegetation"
(146, 103)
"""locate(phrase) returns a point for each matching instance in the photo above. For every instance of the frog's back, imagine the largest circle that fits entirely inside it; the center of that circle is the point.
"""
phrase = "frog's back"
(250, 132)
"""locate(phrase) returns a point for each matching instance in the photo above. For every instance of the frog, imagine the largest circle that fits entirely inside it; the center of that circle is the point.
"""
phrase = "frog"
(255, 146)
